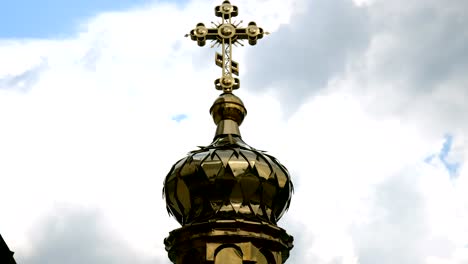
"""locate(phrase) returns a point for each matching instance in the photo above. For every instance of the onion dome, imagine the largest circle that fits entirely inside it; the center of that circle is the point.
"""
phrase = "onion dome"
(227, 179)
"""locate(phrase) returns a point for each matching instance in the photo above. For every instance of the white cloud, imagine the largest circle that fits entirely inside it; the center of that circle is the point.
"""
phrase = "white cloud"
(94, 129)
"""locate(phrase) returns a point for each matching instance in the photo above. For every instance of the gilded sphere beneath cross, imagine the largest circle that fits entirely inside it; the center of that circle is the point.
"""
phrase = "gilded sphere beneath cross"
(227, 81)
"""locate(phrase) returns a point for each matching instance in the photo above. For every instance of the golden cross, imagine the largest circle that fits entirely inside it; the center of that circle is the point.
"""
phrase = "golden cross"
(226, 34)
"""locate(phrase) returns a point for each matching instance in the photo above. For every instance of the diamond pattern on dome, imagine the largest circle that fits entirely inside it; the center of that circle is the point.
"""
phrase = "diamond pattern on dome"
(268, 213)
(256, 197)
(171, 176)
(179, 164)
(236, 206)
(236, 194)
(224, 184)
(171, 185)
(200, 156)
(227, 208)
(255, 208)
(249, 185)
(263, 169)
(245, 209)
(281, 178)
(280, 213)
(236, 152)
(260, 213)
(195, 181)
(220, 174)
(238, 167)
(227, 180)
(189, 168)
(284, 199)
(269, 192)
(216, 205)
(250, 157)
(183, 195)
(225, 155)
(197, 206)
(211, 168)
(227, 175)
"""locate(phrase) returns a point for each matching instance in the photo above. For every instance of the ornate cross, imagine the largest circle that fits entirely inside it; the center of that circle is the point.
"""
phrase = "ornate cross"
(226, 34)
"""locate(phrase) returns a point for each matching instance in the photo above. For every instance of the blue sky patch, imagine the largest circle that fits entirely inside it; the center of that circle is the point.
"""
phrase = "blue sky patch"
(54, 18)
(451, 167)
(179, 118)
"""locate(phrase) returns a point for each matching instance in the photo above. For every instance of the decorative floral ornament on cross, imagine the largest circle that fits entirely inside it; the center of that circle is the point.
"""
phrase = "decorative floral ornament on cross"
(226, 34)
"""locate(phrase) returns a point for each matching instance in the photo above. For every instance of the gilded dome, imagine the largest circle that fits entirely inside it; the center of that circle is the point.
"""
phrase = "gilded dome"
(227, 179)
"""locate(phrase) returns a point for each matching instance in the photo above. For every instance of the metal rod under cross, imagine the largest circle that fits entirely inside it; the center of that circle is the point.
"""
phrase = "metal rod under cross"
(227, 34)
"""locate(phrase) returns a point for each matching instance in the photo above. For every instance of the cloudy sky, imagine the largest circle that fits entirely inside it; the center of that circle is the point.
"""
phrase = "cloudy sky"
(365, 102)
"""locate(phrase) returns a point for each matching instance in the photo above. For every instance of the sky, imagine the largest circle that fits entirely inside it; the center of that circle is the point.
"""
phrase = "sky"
(54, 18)
(364, 101)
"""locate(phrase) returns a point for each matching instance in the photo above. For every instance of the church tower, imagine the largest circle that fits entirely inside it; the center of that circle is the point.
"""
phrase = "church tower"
(228, 196)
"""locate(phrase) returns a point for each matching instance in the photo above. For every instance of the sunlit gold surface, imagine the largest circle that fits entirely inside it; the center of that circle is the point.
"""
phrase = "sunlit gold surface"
(228, 180)
(226, 31)
(228, 196)
(227, 34)
(228, 106)
(253, 242)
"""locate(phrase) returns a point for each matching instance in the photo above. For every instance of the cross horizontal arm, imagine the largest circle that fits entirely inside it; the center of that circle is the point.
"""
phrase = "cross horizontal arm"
(227, 31)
